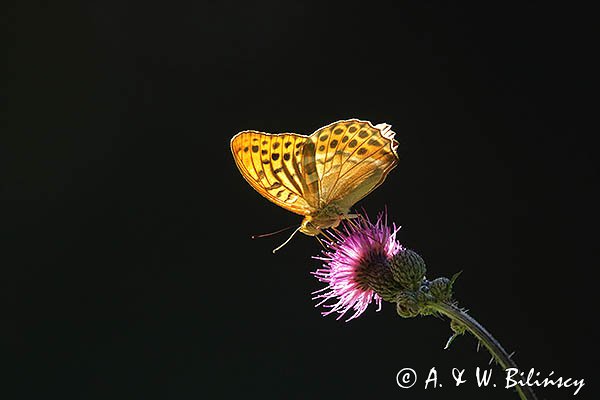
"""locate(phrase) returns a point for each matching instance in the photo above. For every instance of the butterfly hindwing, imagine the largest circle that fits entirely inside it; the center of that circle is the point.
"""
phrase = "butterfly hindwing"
(270, 164)
(352, 157)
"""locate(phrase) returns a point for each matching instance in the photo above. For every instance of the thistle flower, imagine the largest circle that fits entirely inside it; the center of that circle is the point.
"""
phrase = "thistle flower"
(357, 266)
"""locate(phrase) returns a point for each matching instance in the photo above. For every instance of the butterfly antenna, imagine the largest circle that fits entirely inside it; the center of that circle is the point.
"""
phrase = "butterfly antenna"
(272, 233)
(354, 225)
(288, 239)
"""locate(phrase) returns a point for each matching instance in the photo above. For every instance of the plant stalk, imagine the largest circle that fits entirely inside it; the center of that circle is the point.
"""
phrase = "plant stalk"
(493, 346)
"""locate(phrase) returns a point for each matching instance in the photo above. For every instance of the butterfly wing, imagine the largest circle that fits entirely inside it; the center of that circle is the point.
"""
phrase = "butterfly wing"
(271, 165)
(353, 157)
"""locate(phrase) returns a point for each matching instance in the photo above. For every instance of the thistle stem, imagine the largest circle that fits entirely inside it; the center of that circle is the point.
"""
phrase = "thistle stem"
(493, 346)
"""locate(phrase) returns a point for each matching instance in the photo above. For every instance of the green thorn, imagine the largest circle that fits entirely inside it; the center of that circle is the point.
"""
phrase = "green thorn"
(455, 277)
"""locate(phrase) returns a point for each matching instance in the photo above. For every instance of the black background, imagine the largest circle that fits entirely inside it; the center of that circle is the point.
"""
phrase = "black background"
(128, 270)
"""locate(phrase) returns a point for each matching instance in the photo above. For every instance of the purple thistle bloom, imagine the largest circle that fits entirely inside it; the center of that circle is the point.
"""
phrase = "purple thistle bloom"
(358, 254)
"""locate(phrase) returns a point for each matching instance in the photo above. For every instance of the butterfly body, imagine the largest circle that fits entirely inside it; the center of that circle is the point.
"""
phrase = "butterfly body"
(329, 216)
(318, 176)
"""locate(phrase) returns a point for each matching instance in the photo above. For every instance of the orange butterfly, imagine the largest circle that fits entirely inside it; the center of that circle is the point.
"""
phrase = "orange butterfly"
(318, 176)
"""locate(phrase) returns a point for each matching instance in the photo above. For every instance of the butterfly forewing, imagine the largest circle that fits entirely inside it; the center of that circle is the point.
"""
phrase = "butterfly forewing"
(353, 158)
(270, 164)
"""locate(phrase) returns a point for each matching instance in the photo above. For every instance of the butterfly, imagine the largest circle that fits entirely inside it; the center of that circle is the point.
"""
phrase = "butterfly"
(320, 176)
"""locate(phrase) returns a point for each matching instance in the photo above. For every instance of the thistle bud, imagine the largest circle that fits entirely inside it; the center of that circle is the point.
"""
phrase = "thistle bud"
(441, 289)
(408, 269)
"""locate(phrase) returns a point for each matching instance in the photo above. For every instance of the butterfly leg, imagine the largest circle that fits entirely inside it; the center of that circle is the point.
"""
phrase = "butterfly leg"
(350, 217)
(320, 242)
(326, 236)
